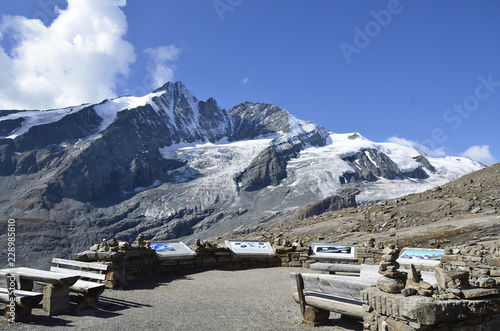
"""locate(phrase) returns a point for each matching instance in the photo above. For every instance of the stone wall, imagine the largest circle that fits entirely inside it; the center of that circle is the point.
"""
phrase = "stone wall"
(395, 312)
(480, 260)
(210, 256)
(128, 261)
(465, 297)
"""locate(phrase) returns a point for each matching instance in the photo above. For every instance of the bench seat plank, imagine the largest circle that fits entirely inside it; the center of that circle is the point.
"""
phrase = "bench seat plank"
(331, 303)
(89, 265)
(25, 299)
(85, 274)
(336, 267)
(88, 288)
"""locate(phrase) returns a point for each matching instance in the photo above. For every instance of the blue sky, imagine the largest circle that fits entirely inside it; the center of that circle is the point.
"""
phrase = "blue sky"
(424, 73)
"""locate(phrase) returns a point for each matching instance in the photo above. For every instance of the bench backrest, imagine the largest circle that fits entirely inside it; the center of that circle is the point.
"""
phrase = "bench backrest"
(341, 286)
(334, 268)
(89, 266)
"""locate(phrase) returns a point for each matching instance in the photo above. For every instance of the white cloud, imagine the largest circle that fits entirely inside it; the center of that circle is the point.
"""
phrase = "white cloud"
(437, 152)
(247, 78)
(160, 68)
(79, 58)
(480, 154)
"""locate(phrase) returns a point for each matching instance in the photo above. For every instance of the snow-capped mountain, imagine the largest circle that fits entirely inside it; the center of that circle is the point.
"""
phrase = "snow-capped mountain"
(171, 166)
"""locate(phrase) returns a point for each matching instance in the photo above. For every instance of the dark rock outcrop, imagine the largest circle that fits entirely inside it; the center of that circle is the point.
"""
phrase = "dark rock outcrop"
(368, 164)
(345, 199)
(268, 168)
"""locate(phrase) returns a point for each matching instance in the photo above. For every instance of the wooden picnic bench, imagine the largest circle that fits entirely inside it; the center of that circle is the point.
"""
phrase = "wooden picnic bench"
(87, 286)
(55, 288)
(320, 294)
(338, 288)
(23, 301)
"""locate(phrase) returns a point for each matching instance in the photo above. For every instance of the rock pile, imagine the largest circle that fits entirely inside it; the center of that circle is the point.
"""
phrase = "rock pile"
(467, 276)
(416, 285)
(393, 280)
(465, 297)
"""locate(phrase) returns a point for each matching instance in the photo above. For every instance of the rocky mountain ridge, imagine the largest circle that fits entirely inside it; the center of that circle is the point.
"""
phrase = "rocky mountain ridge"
(172, 166)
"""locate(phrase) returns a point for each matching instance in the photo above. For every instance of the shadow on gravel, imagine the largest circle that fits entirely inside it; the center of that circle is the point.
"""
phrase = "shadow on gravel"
(346, 322)
(37, 320)
(109, 306)
(153, 281)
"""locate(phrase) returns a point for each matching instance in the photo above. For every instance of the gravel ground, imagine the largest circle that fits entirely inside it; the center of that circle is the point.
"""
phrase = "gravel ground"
(257, 299)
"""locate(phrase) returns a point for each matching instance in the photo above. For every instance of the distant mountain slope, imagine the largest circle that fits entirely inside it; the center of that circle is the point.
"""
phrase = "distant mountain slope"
(461, 211)
(172, 166)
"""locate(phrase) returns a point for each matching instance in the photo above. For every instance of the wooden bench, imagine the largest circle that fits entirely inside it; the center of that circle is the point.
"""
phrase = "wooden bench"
(24, 301)
(320, 294)
(87, 285)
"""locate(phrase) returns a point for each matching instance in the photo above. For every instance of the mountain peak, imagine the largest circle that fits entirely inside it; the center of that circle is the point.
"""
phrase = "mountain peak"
(171, 86)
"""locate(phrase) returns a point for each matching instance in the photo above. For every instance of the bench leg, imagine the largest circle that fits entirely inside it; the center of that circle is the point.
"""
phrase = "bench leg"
(315, 316)
(310, 315)
(15, 316)
(300, 291)
(55, 299)
(87, 304)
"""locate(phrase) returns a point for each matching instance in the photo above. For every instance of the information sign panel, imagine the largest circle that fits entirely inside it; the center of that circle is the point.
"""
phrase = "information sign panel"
(175, 250)
(420, 256)
(333, 251)
(250, 247)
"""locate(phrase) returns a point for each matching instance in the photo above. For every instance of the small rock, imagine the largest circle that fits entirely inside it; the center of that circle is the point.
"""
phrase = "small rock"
(479, 292)
(485, 282)
(475, 210)
(390, 285)
(391, 266)
(413, 274)
(425, 293)
(444, 296)
(408, 292)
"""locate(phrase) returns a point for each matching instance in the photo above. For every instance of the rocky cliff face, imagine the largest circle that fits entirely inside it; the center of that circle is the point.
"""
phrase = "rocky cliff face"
(371, 164)
(172, 166)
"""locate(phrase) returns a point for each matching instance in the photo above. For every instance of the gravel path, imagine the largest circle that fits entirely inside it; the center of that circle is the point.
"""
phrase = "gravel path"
(257, 299)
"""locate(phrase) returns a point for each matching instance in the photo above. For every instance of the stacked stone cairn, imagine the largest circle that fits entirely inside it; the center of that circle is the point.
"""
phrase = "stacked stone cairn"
(396, 281)
(416, 285)
(393, 280)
